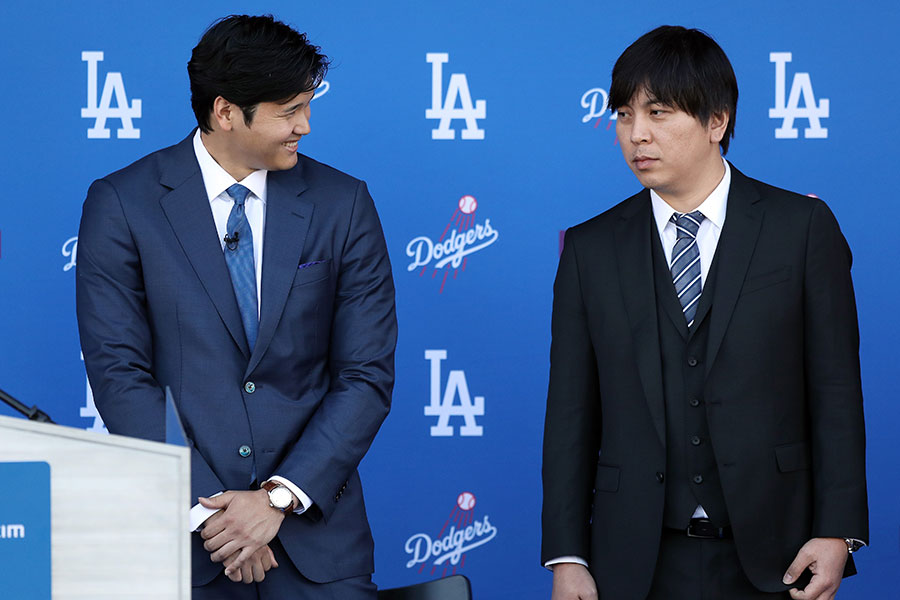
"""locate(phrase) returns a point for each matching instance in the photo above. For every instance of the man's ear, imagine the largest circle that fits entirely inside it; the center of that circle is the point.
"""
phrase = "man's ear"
(224, 113)
(718, 123)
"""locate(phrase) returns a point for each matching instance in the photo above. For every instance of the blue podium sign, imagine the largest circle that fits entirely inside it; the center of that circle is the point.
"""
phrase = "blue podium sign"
(25, 530)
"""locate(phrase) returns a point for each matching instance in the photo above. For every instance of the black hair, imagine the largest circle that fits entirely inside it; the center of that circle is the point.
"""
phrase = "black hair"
(248, 60)
(679, 67)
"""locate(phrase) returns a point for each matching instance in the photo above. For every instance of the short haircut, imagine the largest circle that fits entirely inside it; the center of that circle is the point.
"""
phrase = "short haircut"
(683, 68)
(248, 60)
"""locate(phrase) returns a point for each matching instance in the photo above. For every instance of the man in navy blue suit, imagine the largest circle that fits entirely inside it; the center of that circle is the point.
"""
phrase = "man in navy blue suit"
(255, 283)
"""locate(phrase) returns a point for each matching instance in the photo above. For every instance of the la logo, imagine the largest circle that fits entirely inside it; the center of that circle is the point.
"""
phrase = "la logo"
(112, 85)
(801, 86)
(457, 89)
(444, 408)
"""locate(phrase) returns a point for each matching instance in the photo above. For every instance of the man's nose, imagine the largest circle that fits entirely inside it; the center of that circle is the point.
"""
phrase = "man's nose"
(301, 124)
(640, 131)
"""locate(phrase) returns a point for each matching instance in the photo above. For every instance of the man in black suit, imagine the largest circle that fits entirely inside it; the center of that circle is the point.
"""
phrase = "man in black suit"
(704, 434)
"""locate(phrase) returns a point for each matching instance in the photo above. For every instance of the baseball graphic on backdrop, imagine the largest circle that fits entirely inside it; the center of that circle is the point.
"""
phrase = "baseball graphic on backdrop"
(466, 501)
(468, 204)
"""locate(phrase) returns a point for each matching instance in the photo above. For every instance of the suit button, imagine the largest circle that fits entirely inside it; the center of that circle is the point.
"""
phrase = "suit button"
(695, 440)
(660, 477)
(693, 362)
(694, 402)
(698, 479)
(245, 451)
(249, 387)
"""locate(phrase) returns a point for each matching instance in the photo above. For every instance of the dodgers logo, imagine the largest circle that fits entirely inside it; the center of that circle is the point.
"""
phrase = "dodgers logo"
(323, 88)
(457, 89)
(100, 112)
(444, 407)
(596, 102)
(801, 87)
(449, 547)
(70, 251)
(462, 237)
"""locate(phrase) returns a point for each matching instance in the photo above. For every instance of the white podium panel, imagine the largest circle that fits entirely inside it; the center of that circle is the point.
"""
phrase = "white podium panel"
(119, 511)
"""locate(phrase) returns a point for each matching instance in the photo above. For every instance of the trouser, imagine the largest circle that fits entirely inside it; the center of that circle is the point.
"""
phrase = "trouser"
(286, 583)
(702, 569)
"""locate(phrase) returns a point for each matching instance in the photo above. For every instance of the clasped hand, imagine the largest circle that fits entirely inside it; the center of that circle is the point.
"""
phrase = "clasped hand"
(238, 535)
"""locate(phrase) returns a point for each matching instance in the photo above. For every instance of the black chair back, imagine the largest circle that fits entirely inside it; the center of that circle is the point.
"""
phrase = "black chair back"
(455, 587)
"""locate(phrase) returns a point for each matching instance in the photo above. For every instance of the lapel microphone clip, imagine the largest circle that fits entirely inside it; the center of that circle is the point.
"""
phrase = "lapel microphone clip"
(232, 242)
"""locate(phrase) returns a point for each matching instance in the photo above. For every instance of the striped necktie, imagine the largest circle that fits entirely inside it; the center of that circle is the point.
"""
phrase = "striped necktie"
(239, 258)
(686, 263)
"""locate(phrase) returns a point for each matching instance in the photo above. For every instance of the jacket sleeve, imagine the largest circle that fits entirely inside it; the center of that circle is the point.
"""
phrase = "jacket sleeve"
(571, 435)
(116, 340)
(361, 363)
(833, 383)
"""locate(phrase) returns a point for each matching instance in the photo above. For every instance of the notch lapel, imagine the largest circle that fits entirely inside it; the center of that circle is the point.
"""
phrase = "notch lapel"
(287, 223)
(668, 296)
(635, 265)
(187, 209)
(743, 220)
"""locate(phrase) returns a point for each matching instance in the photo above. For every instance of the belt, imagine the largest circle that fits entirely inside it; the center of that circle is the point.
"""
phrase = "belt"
(706, 530)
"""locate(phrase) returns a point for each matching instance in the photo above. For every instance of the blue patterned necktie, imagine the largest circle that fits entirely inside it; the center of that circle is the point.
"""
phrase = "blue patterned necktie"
(239, 258)
(686, 263)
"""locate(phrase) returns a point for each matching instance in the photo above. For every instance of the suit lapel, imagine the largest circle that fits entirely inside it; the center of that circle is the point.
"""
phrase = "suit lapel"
(187, 209)
(743, 219)
(667, 295)
(287, 223)
(633, 247)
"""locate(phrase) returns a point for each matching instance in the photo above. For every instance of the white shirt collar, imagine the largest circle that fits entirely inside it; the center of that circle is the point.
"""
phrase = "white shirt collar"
(713, 208)
(217, 180)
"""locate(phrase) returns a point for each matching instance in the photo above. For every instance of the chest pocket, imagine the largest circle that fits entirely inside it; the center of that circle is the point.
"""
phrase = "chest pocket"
(311, 272)
(758, 282)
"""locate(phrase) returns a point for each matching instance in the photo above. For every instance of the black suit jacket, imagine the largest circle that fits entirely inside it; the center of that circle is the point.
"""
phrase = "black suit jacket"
(782, 392)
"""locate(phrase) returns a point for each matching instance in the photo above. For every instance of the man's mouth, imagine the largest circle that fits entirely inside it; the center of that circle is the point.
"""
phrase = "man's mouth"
(643, 162)
(292, 146)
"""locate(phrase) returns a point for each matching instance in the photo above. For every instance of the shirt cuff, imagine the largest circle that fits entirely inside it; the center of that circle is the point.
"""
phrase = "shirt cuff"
(199, 514)
(305, 501)
(566, 559)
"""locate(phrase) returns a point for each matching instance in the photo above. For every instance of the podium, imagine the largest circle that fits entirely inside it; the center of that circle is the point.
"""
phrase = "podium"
(119, 511)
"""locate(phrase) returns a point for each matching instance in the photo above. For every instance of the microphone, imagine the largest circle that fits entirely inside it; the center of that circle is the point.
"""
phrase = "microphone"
(232, 242)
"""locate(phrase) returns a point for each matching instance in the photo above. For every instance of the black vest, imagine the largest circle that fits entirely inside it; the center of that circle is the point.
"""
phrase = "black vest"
(692, 476)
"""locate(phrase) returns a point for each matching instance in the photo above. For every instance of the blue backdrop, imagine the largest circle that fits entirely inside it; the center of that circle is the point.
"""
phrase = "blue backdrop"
(532, 80)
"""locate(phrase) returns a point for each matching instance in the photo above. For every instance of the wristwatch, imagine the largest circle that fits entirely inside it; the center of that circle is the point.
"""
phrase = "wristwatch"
(853, 545)
(280, 498)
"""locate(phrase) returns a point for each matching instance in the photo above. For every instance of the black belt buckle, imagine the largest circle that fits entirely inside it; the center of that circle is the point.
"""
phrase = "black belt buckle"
(704, 529)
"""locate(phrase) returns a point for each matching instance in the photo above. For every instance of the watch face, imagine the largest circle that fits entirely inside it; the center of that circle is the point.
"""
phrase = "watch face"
(280, 497)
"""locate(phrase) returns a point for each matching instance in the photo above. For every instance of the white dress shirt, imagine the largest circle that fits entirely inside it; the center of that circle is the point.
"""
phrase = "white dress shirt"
(713, 209)
(216, 180)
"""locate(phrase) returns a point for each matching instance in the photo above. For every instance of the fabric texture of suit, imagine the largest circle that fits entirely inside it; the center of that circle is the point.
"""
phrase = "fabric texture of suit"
(156, 308)
(781, 389)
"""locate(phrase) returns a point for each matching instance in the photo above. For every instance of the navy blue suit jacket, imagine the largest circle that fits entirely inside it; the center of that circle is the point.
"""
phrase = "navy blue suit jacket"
(156, 308)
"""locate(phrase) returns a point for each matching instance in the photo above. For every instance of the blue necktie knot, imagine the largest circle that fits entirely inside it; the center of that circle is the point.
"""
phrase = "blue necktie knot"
(238, 193)
(687, 224)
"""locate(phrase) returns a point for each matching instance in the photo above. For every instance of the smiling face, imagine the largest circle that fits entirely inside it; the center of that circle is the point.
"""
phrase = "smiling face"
(669, 150)
(268, 142)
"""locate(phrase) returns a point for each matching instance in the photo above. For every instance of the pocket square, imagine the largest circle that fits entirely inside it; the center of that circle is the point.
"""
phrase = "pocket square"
(309, 264)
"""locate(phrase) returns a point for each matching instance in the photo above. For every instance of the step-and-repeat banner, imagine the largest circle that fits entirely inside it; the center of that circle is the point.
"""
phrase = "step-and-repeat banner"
(483, 133)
